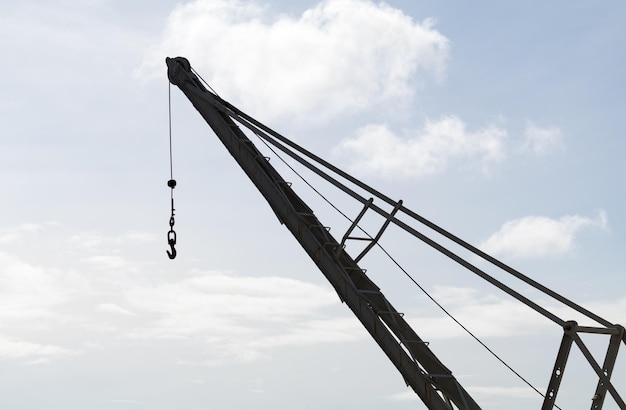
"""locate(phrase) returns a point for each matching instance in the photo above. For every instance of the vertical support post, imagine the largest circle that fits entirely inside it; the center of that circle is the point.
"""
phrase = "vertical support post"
(559, 366)
(607, 368)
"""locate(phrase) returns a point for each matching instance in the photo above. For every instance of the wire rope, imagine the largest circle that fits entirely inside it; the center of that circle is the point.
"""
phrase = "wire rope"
(169, 111)
(235, 112)
(171, 234)
(204, 81)
(399, 266)
(469, 332)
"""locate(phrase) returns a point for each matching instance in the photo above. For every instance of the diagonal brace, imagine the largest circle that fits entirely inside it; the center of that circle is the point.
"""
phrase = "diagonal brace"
(607, 368)
(604, 378)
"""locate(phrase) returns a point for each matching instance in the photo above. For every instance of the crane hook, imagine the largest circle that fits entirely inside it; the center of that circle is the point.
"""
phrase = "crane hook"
(171, 239)
(171, 242)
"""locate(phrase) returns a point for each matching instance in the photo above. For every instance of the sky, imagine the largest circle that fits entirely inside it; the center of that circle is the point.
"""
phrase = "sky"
(500, 121)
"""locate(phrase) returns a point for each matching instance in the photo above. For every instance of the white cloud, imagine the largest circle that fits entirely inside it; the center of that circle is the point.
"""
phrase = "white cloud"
(377, 150)
(240, 318)
(271, 299)
(18, 233)
(110, 263)
(477, 392)
(540, 140)
(539, 236)
(13, 349)
(316, 331)
(508, 392)
(489, 315)
(33, 301)
(109, 252)
(94, 240)
(237, 318)
(339, 56)
(408, 395)
(614, 311)
(115, 309)
(485, 315)
(28, 292)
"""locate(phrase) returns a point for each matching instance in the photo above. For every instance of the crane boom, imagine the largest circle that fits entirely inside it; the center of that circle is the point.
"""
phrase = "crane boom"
(422, 370)
(431, 380)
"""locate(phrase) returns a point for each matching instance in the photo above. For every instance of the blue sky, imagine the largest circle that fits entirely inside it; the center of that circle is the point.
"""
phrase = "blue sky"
(500, 122)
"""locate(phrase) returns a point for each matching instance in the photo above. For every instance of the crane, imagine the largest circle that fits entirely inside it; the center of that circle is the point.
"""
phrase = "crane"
(421, 369)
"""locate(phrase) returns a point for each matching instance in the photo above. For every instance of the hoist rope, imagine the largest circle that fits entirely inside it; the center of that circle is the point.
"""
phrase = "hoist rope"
(415, 282)
(169, 112)
(171, 234)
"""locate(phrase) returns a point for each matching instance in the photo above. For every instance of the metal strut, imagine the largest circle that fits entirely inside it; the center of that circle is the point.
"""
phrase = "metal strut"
(372, 240)
(571, 335)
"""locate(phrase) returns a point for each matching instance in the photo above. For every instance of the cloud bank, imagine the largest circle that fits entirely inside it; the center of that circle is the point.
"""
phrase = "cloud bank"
(240, 318)
(340, 56)
(377, 150)
(540, 236)
(52, 311)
